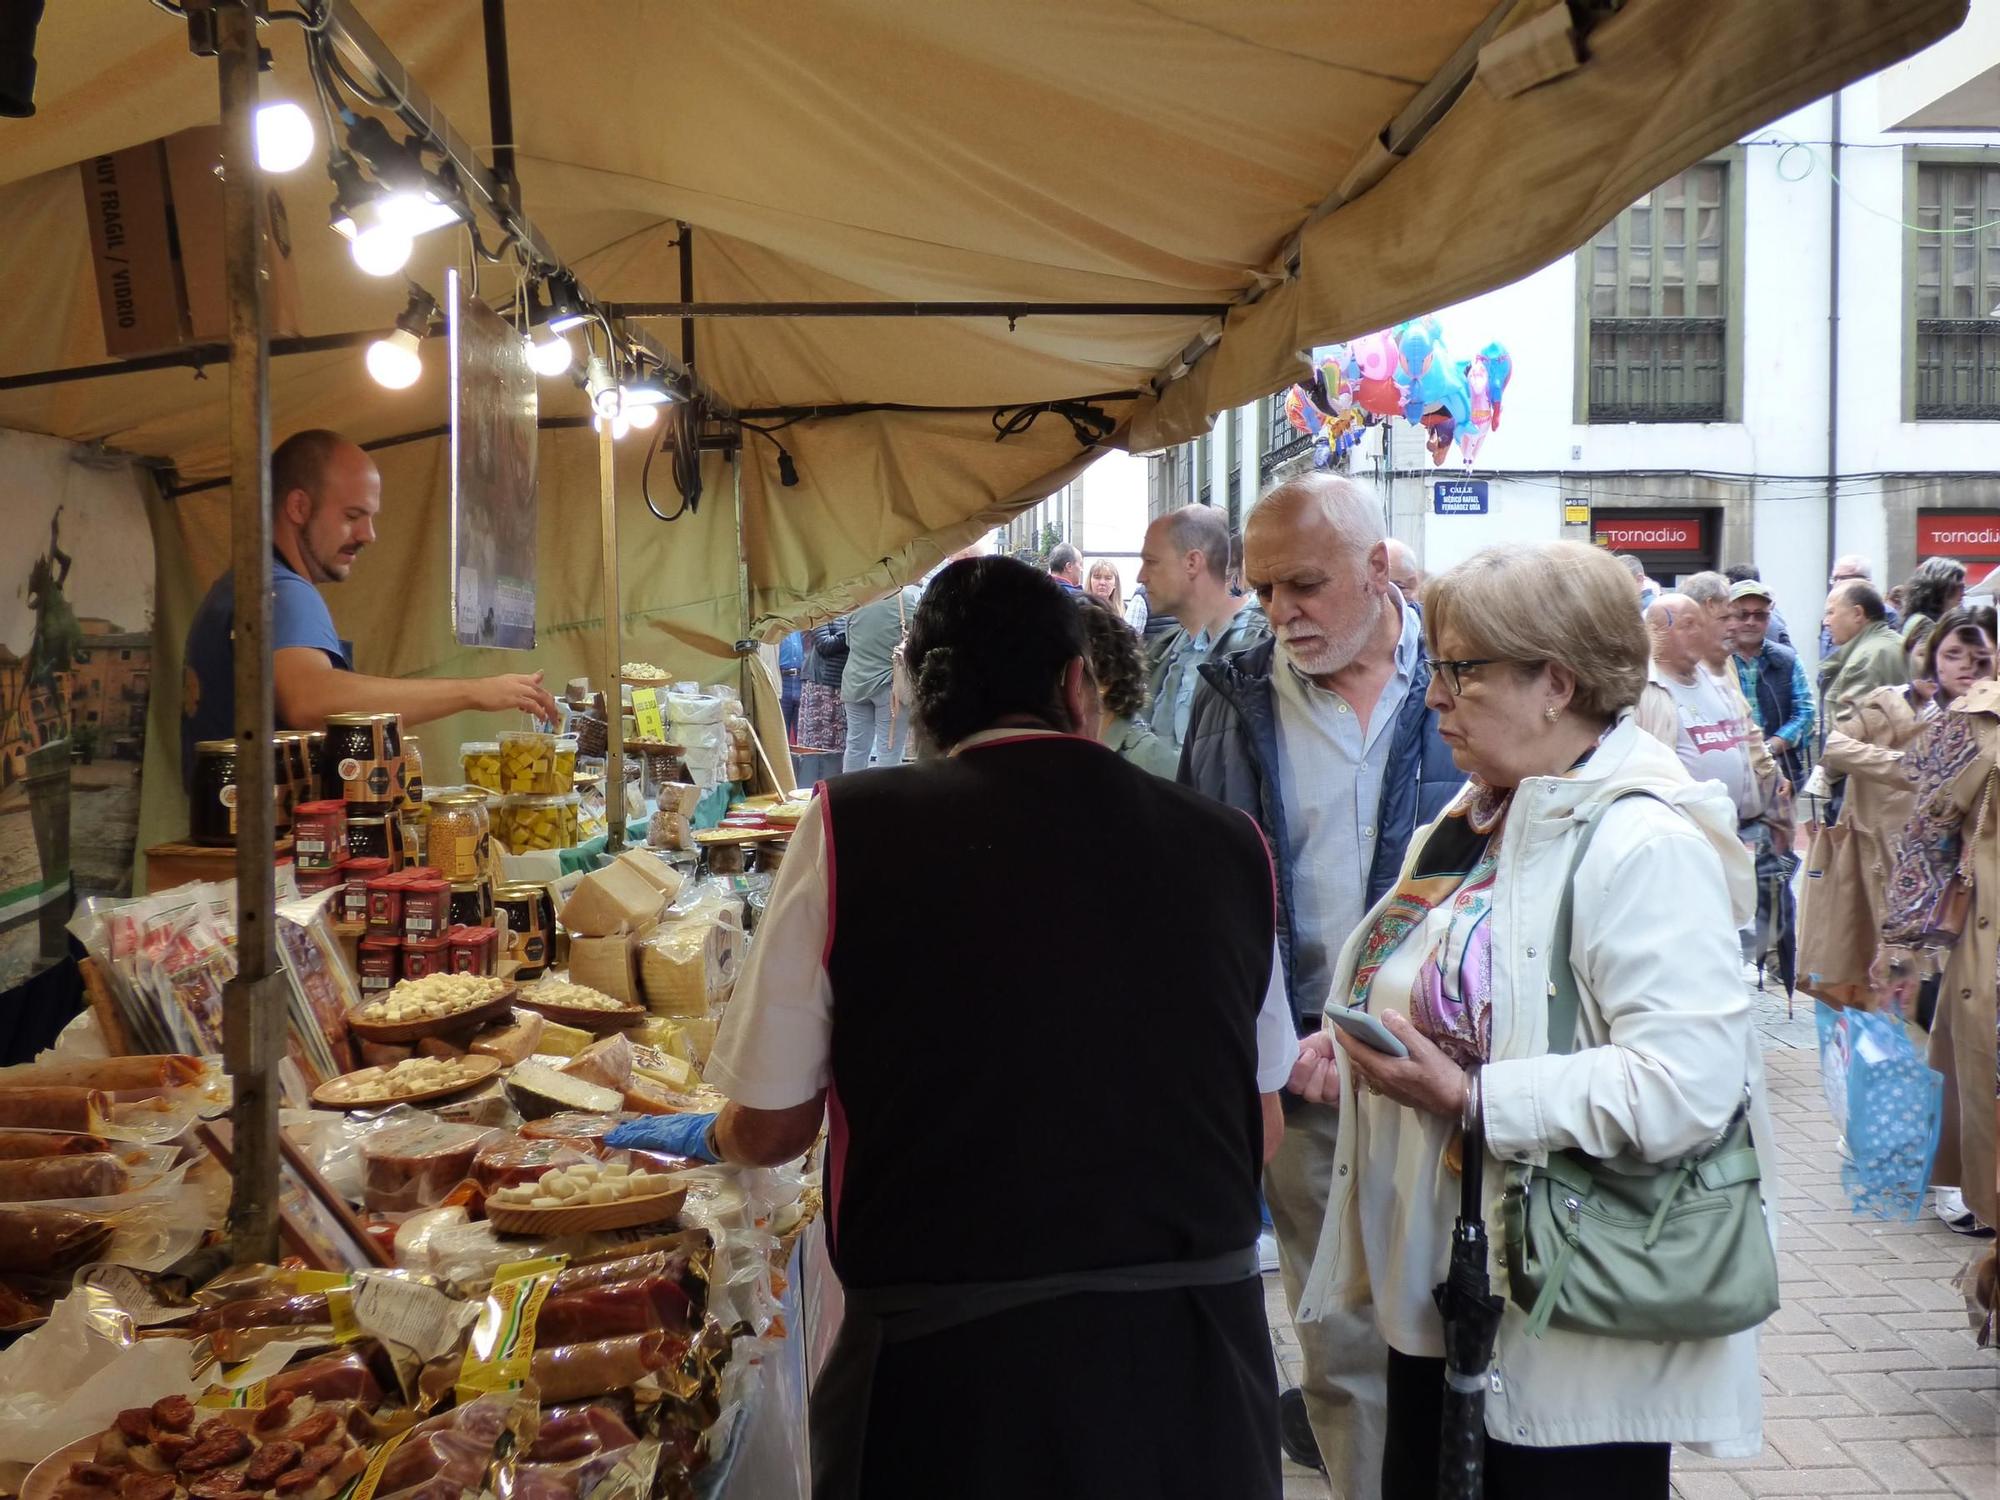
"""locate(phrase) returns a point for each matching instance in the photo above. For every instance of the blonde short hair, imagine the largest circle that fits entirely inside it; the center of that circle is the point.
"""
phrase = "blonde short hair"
(1534, 602)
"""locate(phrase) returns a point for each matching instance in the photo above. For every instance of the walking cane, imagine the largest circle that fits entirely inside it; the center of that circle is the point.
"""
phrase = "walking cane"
(1471, 1323)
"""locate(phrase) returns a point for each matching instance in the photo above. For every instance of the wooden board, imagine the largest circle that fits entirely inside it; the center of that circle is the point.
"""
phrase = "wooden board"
(588, 1218)
(482, 1068)
(391, 1033)
(596, 1022)
(176, 864)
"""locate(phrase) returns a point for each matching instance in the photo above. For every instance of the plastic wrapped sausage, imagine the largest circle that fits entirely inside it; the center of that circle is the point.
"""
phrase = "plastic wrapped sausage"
(114, 1075)
(38, 1179)
(448, 1456)
(568, 1433)
(18, 1144)
(572, 1372)
(653, 1304)
(44, 1241)
(54, 1108)
(345, 1376)
(415, 1165)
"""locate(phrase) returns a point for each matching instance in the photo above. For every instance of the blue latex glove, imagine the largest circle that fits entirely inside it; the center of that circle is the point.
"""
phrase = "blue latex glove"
(677, 1135)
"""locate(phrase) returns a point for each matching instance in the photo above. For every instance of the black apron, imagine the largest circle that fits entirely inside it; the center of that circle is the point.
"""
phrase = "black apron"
(892, 1315)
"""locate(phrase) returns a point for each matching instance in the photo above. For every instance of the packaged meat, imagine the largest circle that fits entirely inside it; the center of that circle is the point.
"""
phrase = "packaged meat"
(586, 1452)
(511, 1041)
(38, 1179)
(572, 1125)
(54, 1108)
(413, 1166)
(237, 1330)
(652, 1304)
(572, 1372)
(448, 1456)
(568, 1433)
(510, 1162)
(347, 1375)
(607, 1062)
(18, 1144)
(111, 1074)
(43, 1241)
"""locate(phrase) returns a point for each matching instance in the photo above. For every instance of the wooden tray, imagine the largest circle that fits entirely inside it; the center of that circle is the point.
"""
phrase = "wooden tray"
(47, 1476)
(587, 1218)
(596, 1022)
(483, 1069)
(392, 1032)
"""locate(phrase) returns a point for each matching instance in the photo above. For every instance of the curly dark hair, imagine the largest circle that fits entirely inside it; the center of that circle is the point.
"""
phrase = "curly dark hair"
(1115, 658)
(1932, 587)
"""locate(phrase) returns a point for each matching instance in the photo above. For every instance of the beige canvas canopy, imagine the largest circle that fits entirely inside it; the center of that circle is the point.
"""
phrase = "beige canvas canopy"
(1325, 166)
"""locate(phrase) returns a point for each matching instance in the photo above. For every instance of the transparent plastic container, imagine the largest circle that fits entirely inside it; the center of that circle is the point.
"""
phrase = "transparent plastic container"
(528, 764)
(534, 821)
(480, 760)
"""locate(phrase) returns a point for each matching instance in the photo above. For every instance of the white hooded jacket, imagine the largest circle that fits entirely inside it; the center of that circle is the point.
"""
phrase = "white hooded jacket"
(1665, 1047)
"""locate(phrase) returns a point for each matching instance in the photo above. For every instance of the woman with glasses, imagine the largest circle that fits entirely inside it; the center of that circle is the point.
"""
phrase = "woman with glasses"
(1537, 660)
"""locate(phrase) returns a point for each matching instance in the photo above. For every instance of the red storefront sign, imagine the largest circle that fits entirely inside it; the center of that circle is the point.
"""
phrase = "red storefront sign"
(1647, 534)
(1971, 535)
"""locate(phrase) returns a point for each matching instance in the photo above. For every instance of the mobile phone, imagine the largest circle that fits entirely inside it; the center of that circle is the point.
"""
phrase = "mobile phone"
(1365, 1029)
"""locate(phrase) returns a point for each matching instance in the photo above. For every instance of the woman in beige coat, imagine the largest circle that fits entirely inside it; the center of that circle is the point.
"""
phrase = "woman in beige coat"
(1955, 767)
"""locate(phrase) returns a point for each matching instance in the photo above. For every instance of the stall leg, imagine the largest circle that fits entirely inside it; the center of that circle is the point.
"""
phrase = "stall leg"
(253, 1017)
(614, 647)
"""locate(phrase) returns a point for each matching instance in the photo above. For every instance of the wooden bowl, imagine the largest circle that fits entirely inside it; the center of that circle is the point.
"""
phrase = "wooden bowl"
(586, 1218)
(596, 1022)
(495, 1009)
(333, 1094)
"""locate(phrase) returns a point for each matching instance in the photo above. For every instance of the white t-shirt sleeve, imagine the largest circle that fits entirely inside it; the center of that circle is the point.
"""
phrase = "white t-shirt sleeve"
(1277, 1037)
(774, 1049)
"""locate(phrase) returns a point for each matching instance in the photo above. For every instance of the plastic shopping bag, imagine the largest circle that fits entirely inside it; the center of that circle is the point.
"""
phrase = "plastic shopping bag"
(1889, 1105)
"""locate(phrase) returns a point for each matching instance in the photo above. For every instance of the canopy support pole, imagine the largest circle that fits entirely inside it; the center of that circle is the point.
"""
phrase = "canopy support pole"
(500, 102)
(253, 1020)
(614, 708)
(688, 308)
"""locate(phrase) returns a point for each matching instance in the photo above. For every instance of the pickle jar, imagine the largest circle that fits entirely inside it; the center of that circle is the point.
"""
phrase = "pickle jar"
(212, 794)
(533, 822)
(479, 760)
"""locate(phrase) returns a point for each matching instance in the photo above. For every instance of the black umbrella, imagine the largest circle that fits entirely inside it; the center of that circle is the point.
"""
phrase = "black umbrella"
(1471, 1322)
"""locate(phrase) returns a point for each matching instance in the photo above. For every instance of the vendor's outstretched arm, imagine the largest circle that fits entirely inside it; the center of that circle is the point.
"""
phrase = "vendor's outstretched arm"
(768, 1137)
(309, 688)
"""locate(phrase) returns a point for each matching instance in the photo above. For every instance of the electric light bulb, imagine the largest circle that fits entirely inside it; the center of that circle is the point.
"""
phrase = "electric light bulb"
(607, 401)
(284, 136)
(620, 426)
(381, 250)
(550, 356)
(642, 418)
(394, 361)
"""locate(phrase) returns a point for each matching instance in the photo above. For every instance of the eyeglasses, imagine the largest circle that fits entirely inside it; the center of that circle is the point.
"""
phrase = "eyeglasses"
(1453, 672)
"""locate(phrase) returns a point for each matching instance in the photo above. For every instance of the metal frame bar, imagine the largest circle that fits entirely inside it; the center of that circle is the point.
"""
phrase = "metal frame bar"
(253, 1018)
(1008, 310)
(614, 681)
(195, 357)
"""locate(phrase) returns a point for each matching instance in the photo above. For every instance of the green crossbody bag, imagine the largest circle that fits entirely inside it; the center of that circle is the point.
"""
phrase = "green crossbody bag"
(1636, 1251)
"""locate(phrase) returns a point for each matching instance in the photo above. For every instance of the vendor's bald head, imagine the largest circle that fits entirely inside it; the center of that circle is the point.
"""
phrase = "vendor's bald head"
(325, 493)
(1681, 633)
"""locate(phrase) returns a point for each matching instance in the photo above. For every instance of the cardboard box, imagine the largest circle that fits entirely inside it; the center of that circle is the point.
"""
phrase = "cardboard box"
(155, 214)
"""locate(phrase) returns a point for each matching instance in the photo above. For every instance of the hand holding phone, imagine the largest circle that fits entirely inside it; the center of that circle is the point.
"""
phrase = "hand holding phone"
(1365, 1029)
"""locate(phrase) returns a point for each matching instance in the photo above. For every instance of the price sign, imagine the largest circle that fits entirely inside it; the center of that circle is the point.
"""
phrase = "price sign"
(646, 716)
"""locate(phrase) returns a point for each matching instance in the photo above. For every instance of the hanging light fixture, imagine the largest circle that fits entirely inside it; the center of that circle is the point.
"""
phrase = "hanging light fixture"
(643, 418)
(285, 137)
(645, 388)
(383, 218)
(620, 425)
(605, 398)
(566, 309)
(549, 352)
(394, 360)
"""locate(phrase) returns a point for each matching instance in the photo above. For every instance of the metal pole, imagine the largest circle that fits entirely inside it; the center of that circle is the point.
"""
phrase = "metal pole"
(686, 246)
(500, 101)
(1833, 346)
(253, 1021)
(614, 712)
(687, 308)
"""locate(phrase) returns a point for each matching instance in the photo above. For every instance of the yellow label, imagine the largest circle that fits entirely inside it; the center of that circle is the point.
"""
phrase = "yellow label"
(371, 1477)
(320, 1281)
(501, 1352)
(646, 714)
(514, 1270)
(1575, 515)
(221, 1397)
(340, 1311)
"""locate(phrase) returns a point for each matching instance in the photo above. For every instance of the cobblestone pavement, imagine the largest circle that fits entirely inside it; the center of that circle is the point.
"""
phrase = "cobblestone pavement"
(1872, 1384)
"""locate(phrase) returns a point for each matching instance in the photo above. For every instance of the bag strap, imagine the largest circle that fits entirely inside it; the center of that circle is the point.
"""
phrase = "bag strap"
(1969, 847)
(1565, 1000)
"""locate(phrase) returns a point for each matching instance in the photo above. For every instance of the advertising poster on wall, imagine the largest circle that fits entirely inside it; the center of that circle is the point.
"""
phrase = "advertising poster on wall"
(493, 413)
(76, 663)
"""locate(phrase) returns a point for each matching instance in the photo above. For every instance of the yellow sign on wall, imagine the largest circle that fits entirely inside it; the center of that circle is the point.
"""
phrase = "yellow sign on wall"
(1575, 513)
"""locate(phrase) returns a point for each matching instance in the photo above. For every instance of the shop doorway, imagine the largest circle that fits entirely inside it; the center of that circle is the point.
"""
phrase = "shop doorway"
(1971, 537)
(1672, 543)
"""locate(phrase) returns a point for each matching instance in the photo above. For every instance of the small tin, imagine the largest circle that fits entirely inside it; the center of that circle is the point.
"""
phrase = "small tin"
(426, 908)
(421, 960)
(381, 963)
(385, 905)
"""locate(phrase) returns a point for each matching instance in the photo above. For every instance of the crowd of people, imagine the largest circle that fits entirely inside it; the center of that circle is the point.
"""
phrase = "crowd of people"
(1428, 764)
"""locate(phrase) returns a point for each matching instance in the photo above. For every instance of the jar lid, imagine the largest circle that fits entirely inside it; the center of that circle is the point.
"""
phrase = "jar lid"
(371, 822)
(535, 799)
(350, 721)
(520, 891)
(215, 747)
(479, 747)
(457, 796)
(467, 887)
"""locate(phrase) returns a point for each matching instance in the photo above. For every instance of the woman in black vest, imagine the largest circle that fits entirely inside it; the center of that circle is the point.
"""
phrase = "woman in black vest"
(1041, 1189)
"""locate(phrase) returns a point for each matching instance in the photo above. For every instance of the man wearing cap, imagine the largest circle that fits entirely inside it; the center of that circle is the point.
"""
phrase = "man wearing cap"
(1772, 677)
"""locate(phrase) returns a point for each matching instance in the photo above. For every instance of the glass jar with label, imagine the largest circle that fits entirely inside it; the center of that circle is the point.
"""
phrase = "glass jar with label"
(363, 763)
(460, 832)
(212, 794)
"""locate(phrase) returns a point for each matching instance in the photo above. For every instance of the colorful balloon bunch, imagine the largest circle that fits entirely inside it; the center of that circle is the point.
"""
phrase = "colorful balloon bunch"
(1403, 372)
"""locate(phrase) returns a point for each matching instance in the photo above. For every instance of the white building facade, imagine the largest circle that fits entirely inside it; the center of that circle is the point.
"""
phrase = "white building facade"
(1787, 352)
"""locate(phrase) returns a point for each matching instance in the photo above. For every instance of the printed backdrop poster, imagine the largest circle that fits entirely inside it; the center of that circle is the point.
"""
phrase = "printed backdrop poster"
(493, 412)
(76, 665)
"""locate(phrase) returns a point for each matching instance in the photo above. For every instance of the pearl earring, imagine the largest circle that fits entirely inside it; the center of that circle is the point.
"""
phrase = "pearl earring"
(1552, 713)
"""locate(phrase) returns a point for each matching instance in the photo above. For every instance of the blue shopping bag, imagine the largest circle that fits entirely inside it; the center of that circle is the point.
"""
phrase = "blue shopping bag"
(1889, 1105)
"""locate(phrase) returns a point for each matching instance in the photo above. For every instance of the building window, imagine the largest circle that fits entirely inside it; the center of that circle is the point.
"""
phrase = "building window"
(1656, 288)
(124, 655)
(1202, 446)
(1956, 291)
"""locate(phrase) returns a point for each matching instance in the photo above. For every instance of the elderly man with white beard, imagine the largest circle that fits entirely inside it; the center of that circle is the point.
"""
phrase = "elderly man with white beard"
(1322, 736)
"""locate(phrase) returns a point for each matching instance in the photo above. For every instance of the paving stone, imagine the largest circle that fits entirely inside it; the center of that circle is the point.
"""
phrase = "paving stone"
(1811, 1482)
(1884, 1395)
(1972, 1412)
(1900, 1470)
(1805, 1445)
(1973, 1483)
(1975, 1373)
(1955, 1452)
(1820, 1406)
(1707, 1486)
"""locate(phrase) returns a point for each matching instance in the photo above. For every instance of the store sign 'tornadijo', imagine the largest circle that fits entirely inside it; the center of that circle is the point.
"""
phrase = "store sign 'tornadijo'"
(1650, 534)
(1971, 534)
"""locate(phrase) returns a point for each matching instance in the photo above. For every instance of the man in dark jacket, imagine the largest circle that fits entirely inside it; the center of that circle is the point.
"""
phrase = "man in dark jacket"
(1322, 736)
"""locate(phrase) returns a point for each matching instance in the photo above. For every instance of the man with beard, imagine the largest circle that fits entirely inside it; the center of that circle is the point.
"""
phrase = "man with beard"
(325, 494)
(1322, 736)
